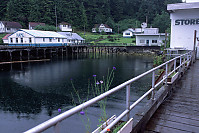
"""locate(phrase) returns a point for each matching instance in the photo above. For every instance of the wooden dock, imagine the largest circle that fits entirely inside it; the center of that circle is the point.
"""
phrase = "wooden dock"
(179, 113)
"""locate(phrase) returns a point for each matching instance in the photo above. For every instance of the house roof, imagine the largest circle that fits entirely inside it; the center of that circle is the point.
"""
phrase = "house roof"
(130, 29)
(159, 34)
(181, 6)
(64, 23)
(39, 33)
(9, 24)
(97, 25)
(6, 37)
(33, 24)
(71, 36)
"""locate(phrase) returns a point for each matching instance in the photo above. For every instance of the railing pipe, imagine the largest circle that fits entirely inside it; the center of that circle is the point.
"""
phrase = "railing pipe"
(59, 118)
(153, 84)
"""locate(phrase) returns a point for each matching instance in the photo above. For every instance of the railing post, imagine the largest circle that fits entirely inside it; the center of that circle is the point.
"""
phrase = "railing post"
(128, 101)
(166, 73)
(175, 64)
(180, 60)
(56, 128)
(153, 84)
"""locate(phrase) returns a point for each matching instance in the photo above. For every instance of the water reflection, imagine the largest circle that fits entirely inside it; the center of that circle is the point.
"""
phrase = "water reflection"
(40, 88)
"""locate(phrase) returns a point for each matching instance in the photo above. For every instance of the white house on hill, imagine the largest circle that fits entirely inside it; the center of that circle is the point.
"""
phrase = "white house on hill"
(9, 27)
(102, 28)
(36, 38)
(32, 25)
(128, 33)
(65, 27)
(150, 37)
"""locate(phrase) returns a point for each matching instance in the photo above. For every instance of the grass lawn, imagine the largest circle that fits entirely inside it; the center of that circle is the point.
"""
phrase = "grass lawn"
(99, 38)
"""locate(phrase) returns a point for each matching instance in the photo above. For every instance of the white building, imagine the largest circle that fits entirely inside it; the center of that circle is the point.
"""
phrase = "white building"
(9, 27)
(72, 38)
(184, 20)
(128, 33)
(65, 27)
(5, 38)
(150, 37)
(102, 28)
(36, 38)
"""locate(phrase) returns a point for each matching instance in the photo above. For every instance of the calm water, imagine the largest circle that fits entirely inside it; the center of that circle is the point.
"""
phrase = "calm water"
(31, 93)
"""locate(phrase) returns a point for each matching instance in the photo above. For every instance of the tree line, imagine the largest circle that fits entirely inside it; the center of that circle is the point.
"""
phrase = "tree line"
(83, 14)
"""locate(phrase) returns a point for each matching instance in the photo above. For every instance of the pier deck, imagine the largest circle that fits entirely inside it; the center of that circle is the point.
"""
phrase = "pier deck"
(179, 113)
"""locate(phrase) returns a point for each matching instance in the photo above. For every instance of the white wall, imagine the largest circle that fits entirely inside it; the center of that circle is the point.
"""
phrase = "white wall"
(150, 38)
(66, 28)
(183, 35)
(26, 39)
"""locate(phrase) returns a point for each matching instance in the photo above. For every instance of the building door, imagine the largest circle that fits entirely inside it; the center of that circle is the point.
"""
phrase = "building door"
(147, 42)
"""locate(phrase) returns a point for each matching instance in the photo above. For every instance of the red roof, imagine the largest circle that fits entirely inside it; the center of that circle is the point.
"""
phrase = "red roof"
(33, 24)
(9, 24)
(98, 25)
(6, 37)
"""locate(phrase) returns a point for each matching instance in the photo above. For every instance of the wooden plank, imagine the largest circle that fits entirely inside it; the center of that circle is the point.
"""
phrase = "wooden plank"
(162, 129)
(177, 119)
(184, 103)
(177, 113)
(188, 110)
(174, 125)
(1, 63)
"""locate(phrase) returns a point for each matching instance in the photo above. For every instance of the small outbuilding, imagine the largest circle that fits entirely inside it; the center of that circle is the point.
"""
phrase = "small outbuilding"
(72, 38)
(32, 25)
(5, 38)
(25, 37)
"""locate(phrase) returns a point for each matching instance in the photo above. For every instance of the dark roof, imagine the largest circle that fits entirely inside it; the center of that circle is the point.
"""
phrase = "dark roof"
(97, 25)
(9, 24)
(33, 24)
(64, 23)
(6, 37)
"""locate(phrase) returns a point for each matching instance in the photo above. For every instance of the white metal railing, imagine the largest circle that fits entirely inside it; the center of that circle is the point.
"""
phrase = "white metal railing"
(57, 119)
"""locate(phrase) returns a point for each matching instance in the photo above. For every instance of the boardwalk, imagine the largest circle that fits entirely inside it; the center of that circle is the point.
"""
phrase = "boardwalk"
(180, 112)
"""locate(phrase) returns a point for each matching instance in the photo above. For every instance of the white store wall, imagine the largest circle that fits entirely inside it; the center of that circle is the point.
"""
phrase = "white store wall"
(182, 36)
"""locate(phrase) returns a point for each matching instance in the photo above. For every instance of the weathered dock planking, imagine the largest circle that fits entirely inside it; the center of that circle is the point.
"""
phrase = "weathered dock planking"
(180, 112)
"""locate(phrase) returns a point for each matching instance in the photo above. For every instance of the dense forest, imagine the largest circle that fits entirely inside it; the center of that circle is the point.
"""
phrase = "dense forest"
(83, 14)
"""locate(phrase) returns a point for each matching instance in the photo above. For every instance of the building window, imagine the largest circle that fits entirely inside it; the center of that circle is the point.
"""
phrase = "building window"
(21, 40)
(50, 39)
(154, 41)
(142, 41)
(8, 28)
(58, 39)
(127, 33)
(30, 40)
(11, 40)
(64, 25)
(16, 40)
(43, 39)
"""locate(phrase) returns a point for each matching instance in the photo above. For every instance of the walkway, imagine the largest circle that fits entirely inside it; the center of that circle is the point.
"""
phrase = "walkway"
(180, 112)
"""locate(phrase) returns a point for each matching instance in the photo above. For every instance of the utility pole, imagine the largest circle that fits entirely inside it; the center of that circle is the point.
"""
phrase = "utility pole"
(56, 16)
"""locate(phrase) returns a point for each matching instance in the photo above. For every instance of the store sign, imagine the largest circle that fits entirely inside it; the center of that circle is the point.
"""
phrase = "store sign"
(20, 35)
(187, 21)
